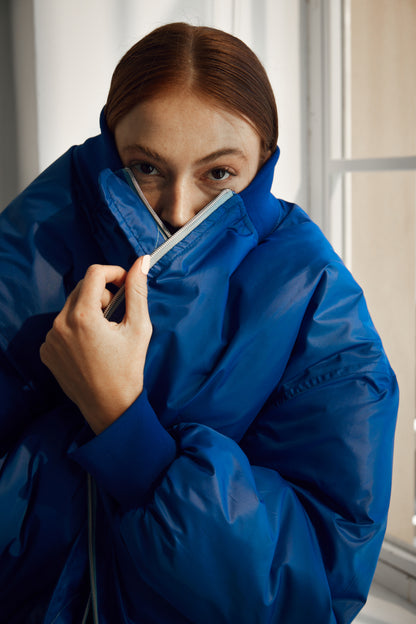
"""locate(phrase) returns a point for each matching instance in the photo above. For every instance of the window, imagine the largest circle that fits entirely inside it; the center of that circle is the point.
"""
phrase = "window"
(363, 155)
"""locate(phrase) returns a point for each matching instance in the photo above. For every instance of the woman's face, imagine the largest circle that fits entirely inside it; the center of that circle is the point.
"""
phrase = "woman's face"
(184, 151)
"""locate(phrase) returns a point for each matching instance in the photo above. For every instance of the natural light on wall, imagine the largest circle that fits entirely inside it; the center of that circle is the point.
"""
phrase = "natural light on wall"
(60, 94)
(383, 124)
(372, 173)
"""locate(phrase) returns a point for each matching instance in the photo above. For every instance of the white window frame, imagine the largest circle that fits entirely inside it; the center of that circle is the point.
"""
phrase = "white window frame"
(328, 194)
(329, 150)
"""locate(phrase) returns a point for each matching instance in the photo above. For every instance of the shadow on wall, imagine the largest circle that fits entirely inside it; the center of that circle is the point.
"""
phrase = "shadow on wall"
(8, 133)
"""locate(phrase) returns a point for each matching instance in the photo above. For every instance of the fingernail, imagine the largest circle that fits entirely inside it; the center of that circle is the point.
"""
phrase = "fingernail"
(145, 264)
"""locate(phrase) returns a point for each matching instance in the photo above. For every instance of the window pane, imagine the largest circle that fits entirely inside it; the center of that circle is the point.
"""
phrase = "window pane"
(382, 215)
(381, 80)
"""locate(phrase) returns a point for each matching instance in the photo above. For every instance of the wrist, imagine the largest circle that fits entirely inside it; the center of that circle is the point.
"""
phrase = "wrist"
(101, 415)
(128, 458)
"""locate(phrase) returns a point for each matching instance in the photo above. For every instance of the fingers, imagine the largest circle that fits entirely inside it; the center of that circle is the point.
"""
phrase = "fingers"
(137, 313)
(93, 286)
(106, 297)
(91, 293)
(92, 296)
(99, 364)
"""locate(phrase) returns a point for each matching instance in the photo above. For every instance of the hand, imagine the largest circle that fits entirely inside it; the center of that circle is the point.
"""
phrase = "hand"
(99, 364)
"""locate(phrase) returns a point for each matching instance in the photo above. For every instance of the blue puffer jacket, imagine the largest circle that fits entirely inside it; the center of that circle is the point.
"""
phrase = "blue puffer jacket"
(250, 482)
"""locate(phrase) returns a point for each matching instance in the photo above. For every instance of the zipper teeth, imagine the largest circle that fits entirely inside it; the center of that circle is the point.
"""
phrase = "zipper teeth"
(189, 226)
(171, 242)
(162, 227)
(114, 303)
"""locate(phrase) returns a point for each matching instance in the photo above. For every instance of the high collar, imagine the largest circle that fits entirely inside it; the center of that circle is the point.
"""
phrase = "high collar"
(264, 210)
(89, 159)
(100, 153)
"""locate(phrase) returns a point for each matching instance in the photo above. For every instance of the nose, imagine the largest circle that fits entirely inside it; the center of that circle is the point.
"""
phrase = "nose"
(178, 204)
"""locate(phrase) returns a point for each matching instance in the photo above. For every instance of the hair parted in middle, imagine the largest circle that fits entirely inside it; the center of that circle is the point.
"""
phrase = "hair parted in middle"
(209, 62)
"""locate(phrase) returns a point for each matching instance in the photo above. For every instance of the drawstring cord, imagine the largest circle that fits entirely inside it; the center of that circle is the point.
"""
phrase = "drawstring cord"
(91, 549)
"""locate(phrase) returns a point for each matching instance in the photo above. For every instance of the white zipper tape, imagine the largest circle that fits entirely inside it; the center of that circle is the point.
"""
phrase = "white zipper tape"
(133, 182)
(174, 239)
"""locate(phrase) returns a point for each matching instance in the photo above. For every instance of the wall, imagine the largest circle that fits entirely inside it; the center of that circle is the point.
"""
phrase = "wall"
(66, 52)
(8, 148)
(383, 225)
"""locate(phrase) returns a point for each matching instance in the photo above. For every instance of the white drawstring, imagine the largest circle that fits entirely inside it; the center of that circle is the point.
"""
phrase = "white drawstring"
(87, 610)
(91, 550)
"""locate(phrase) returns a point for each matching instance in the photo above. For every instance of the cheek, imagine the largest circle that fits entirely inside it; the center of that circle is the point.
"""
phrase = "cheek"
(152, 195)
(245, 178)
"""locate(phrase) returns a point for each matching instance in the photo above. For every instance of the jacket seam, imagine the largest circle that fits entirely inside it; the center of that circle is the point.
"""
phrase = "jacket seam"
(286, 394)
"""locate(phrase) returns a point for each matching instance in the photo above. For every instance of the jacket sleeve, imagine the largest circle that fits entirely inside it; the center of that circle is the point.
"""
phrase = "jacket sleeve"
(285, 526)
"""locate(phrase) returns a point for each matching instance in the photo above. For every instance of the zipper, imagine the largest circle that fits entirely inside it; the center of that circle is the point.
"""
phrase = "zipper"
(91, 549)
(173, 240)
(129, 175)
(170, 241)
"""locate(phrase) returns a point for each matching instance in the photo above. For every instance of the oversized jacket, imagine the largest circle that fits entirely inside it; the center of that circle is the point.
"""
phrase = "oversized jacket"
(250, 480)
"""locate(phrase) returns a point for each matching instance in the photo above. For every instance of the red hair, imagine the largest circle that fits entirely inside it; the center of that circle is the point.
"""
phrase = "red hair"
(210, 62)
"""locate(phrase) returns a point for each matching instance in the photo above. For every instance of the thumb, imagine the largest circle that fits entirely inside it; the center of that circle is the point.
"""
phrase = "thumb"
(137, 312)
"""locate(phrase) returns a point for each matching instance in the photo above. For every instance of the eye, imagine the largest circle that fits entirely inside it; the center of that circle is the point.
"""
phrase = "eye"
(220, 173)
(145, 168)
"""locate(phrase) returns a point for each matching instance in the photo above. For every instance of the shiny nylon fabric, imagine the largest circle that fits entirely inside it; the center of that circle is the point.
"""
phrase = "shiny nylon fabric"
(265, 370)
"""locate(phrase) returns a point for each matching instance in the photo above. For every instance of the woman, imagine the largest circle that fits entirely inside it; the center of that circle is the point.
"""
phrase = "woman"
(218, 447)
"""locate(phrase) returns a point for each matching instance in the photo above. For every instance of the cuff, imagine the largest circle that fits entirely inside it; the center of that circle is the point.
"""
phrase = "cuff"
(128, 457)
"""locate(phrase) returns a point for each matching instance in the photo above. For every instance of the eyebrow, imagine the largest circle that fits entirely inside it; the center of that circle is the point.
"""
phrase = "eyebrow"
(144, 150)
(227, 151)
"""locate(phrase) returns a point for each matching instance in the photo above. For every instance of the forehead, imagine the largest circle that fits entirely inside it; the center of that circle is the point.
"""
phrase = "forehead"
(174, 117)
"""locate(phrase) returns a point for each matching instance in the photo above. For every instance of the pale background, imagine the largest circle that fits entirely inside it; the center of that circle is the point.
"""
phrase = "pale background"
(64, 53)
(349, 84)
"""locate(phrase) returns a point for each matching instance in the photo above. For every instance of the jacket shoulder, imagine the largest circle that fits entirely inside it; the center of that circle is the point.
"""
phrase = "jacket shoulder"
(44, 247)
(45, 195)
